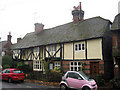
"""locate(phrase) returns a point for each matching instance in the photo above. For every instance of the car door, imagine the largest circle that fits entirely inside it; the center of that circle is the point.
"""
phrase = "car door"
(74, 80)
(3, 75)
(7, 74)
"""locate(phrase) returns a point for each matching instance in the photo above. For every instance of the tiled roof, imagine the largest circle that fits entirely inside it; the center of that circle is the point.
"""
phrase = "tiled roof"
(3, 45)
(86, 29)
(116, 23)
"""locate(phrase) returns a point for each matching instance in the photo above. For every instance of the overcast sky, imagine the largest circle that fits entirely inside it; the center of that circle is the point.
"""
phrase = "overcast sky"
(19, 16)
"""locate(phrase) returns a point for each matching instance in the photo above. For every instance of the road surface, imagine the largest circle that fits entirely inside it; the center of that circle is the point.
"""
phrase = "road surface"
(25, 86)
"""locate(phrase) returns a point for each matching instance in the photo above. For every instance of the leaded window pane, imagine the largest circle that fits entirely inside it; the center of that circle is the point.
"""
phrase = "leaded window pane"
(76, 47)
(75, 63)
(71, 63)
(71, 68)
(79, 46)
(83, 46)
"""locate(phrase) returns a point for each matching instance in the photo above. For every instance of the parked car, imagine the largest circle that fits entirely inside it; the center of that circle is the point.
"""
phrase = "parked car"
(77, 80)
(12, 74)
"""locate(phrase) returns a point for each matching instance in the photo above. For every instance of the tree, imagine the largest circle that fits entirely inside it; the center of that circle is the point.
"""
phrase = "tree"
(25, 68)
(7, 61)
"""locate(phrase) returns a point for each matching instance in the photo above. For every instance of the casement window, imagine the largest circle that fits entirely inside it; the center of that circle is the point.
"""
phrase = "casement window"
(57, 65)
(79, 47)
(52, 48)
(37, 65)
(75, 66)
(16, 53)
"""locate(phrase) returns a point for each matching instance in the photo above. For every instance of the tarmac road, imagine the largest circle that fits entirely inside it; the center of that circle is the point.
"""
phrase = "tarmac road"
(25, 86)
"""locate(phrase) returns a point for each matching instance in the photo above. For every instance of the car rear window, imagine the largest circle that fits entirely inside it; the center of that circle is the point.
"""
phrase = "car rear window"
(17, 71)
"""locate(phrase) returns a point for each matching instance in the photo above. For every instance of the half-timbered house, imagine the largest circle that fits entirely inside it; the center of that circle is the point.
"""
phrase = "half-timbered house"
(78, 45)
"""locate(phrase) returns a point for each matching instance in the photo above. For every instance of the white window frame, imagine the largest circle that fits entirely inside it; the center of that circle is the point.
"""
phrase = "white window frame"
(78, 48)
(57, 64)
(75, 66)
(52, 48)
(39, 63)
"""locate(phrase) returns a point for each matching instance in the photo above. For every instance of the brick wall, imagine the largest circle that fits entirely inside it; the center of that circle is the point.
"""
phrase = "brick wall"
(66, 66)
(101, 67)
(114, 40)
(86, 66)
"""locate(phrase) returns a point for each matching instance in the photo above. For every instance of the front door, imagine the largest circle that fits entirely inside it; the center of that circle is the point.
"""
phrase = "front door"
(94, 68)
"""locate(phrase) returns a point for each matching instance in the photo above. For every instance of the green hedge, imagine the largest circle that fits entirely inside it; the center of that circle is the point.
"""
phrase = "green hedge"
(51, 77)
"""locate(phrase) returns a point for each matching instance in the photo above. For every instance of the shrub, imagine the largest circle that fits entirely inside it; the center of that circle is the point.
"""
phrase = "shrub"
(14, 64)
(115, 83)
(6, 66)
(57, 69)
(23, 67)
(52, 76)
(99, 80)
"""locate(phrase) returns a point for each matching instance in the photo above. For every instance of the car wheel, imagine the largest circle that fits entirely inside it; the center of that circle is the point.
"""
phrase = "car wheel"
(63, 87)
(9, 80)
(86, 88)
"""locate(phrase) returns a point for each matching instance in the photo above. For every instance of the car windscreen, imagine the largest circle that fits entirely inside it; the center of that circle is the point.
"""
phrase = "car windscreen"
(84, 75)
(17, 71)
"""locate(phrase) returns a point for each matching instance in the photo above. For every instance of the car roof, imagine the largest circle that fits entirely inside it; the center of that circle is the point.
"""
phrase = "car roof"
(72, 71)
(75, 71)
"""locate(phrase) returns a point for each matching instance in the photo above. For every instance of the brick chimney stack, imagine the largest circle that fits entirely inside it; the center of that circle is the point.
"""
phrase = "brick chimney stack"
(9, 37)
(38, 27)
(18, 39)
(78, 14)
(9, 43)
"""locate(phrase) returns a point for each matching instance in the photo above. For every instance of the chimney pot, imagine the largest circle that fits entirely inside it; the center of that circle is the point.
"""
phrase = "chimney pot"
(78, 14)
(80, 6)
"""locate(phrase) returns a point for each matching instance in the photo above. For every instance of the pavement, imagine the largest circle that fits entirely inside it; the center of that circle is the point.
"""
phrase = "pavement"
(55, 84)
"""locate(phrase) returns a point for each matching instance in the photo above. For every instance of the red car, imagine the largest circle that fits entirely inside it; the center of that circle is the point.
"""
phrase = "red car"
(12, 74)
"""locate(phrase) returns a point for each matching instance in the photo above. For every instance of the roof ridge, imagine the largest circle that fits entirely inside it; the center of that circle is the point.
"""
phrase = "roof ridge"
(117, 14)
(98, 17)
(79, 21)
